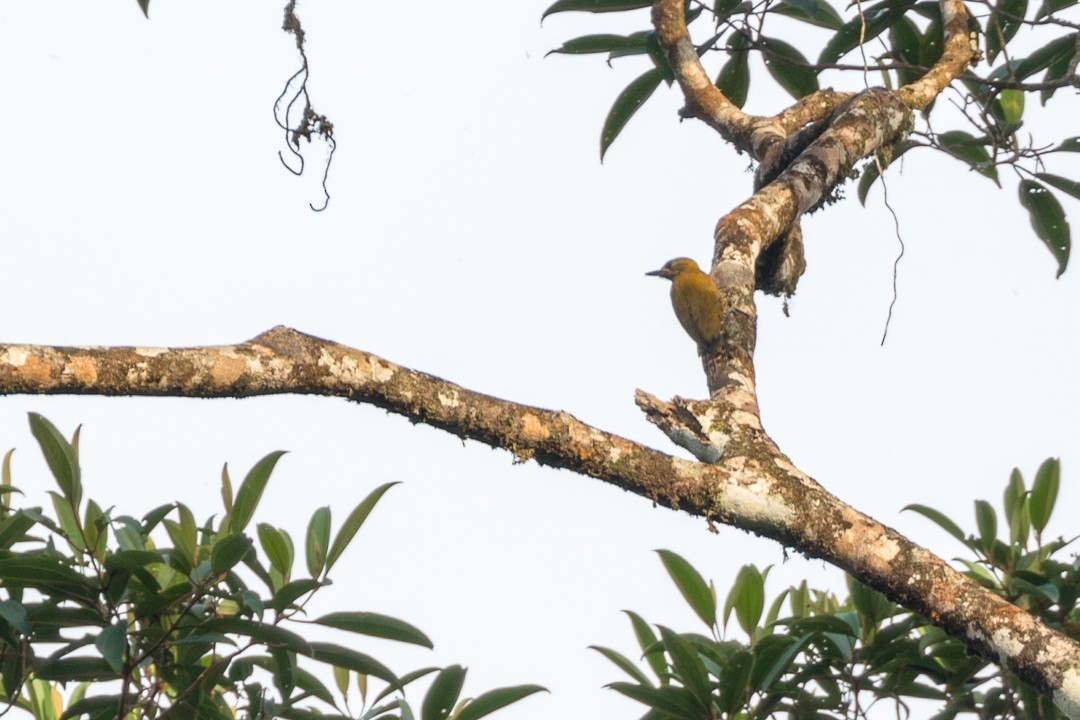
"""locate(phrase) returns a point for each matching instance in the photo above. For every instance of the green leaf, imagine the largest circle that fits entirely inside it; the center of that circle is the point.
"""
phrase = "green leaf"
(14, 613)
(443, 693)
(290, 592)
(623, 663)
(986, 521)
(1003, 24)
(251, 490)
(376, 625)
(692, 586)
(14, 528)
(131, 559)
(276, 548)
(1044, 492)
(1015, 504)
(261, 632)
(687, 665)
(59, 456)
(317, 541)
(734, 77)
(747, 598)
(676, 701)
(1072, 187)
(492, 700)
(626, 104)
(966, 147)
(112, 644)
(105, 705)
(228, 551)
(939, 518)
(878, 17)
(1011, 103)
(1044, 57)
(821, 14)
(788, 67)
(734, 682)
(593, 6)
(353, 522)
(646, 639)
(69, 669)
(1067, 145)
(227, 496)
(601, 43)
(351, 660)
(69, 524)
(1048, 220)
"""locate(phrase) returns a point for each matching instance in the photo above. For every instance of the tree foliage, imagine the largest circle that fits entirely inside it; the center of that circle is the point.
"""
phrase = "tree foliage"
(163, 617)
(1029, 52)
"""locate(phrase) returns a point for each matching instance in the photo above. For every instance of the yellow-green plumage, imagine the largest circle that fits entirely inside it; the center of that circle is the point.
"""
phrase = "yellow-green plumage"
(696, 300)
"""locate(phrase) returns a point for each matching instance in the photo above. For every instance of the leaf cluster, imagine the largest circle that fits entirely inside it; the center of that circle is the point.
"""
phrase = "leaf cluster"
(163, 617)
(810, 654)
(891, 43)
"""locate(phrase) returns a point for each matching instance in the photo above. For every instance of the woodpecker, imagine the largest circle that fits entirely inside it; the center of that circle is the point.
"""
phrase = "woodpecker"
(696, 300)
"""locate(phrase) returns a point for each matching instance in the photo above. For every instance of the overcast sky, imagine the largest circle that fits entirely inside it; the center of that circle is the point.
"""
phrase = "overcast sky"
(472, 233)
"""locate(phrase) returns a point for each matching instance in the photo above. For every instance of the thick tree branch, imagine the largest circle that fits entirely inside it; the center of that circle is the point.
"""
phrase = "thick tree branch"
(800, 168)
(754, 487)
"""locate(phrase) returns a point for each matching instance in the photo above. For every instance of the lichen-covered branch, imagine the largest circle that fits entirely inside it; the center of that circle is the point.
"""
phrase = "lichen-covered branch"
(805, 152)
(754, 486)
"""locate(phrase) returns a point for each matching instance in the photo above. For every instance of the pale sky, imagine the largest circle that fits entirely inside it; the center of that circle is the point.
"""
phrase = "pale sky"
(473, 234)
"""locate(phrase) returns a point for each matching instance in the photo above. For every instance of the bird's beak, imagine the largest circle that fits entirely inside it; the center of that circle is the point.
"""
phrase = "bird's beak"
(656, 273)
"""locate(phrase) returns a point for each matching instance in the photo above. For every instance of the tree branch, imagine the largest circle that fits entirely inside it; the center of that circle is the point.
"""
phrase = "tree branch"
(754, 487)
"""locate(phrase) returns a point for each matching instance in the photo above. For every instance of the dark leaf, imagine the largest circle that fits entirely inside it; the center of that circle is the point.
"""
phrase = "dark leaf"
(630, 99)
(317, 541)
(971, 150)
(601, 43)
(734, 77)
(876, 18)
(376, 625)
(687, 665)
(788, 67)
(112, 644)
(492, 700)
(131, 559)
(593, 6)
(692, 586)
(939, 518)
(261, 632)
(75, 669)
(623, 663)
(59, 456)
(1044, 492)
(443, 693)
(351, 660)
(821, 14)
(251, 490)
(353, 522)
(1072, 187)
(1048, 220)
(228, 551)
(646, 639)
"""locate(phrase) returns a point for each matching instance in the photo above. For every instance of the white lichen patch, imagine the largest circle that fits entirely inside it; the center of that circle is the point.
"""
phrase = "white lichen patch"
(1006, 645)
(14, 356)
(1067, 697)
(753, 500)
(450, 399)
(350, 372)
